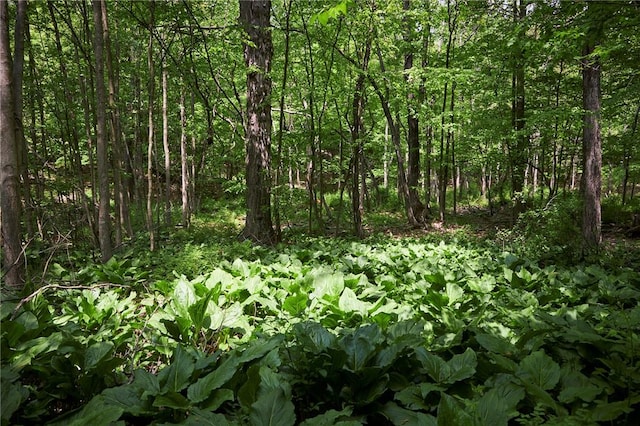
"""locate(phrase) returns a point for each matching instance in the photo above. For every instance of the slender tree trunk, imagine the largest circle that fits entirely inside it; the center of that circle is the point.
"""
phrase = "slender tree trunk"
(627, 156)
(21, 145)
(123, 214)
(104, 218)
(285, 75)
(591, 150)
(518, 151)
(255, 18)
(151, 132)
(165, 146)
(184, 161)
(10, 232)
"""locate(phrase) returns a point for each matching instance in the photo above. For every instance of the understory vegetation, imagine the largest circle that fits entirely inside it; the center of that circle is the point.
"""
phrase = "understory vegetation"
(445, 327)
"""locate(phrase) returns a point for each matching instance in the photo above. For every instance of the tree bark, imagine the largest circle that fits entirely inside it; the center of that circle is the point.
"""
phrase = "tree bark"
(151, 132)
(104, 217)
(167, 152)
(255, 17)
(413, 129)
(591, 150)
(518, 150)
(184, 164)
(10, 235)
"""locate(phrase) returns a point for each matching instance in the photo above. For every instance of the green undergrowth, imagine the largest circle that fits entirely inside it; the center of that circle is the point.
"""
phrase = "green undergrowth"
(327, 331)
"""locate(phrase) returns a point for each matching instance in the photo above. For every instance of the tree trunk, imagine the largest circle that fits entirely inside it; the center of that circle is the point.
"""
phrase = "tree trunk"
(167, 153)
(104, 218)
(10, 232)
(413, 129)
(255, 17)
(151, 133)
(184, 164)
(591, 150)
(518, 150)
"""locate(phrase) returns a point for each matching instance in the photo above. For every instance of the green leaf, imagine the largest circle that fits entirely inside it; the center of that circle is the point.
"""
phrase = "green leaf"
(273, 409)
(96, 353)
(198, 417)
(173, 400)
(217, 398)
(349, 302)
(401, 416)
(498, 405)
(452, 413)
(539, 369)
(296, 304)
(495, 344)
(12, 395)
(97, 412)
(327, 286)
(359, 346)
(177, 376)
(330, 418)
(454, 293)
(460, 367)
(575, 386)
(607, 412)
(184, 296)
(313, 337)
(201, 390)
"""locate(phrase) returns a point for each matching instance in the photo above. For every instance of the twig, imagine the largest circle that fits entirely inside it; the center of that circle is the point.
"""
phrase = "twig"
(61, 287)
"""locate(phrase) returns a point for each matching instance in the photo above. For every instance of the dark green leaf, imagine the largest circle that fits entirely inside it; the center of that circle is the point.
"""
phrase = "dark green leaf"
(272, 409)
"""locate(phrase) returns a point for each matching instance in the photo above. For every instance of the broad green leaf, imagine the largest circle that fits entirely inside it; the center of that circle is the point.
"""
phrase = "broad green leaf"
(607, 412)
(498, 405)
(313, 337)
(96, 413)
(127, 397)
(173, 400)
(217, 398)
(12, 395)
(462, 366)
(454, 293)
(539, 369)
(272, 409)
(198, 417)
(495, 344)
(248, 392)
(216, 277)
(184, 297)
(349, 302)
(177, 375)
(452, 413)
(359, 346)
(95, 353)
(576, 385)
(401, 416)
(330, 418)
(327, 285)
(202, 389)
(296, 304)
(484, 284)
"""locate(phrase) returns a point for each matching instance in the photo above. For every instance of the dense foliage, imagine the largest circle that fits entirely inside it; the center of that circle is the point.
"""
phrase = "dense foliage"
(385, 331)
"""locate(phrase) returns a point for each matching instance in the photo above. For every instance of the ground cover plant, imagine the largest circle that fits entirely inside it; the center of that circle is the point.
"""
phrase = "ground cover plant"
(328, 331)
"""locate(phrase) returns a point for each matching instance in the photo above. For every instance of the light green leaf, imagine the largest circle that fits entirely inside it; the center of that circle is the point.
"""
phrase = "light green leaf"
(327, 285)
(184, 296)
(349, 302)
(454, 293)
(295, 304)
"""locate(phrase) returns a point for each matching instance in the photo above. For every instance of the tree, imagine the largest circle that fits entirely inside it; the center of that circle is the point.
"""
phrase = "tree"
(258, 50)
(104, 217)
(12, 259)
(591, 138)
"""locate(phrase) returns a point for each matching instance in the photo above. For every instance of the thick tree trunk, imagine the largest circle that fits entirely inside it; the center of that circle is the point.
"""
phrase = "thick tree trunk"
(10, 235)
(104, 218)
(413, 129)
(255, 17)
(591, 151)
